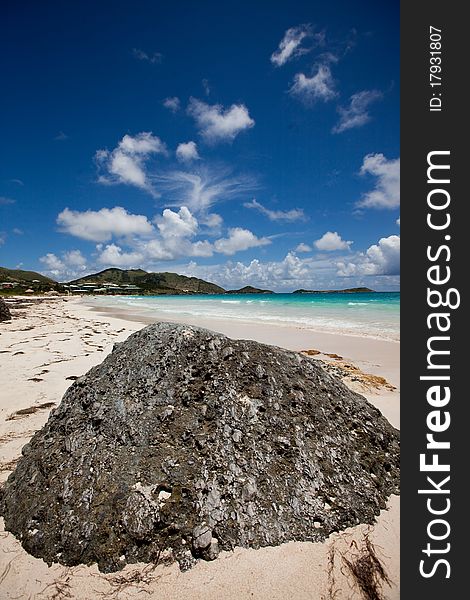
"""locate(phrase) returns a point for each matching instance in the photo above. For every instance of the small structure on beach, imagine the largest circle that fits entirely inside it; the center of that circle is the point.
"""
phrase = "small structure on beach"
(184, 442)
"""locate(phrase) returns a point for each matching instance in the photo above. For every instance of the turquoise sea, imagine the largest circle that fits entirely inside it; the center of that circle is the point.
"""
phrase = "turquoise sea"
(366, 314)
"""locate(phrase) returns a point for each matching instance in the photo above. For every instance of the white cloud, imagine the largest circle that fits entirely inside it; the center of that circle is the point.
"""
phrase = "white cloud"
(289, 46)
(155, 58)
(290, 273)
(186, 152)
(382, 258)
(180, 224)
(398, 221)
(303, 248)
(239, 239)
(17, 231)
(212, 221)
(103, 224)
(331, 241)
(217, 124)
(172, 103)
(295, 214)
(143, 143)
(386, 193)
(356, 114)
(206, 87)
(201, 248)
(320, 86)
(125, 164)
(72, 264)
(53, 263)
(113, 256)
(61, 137)
(4, 201)
(75, 258)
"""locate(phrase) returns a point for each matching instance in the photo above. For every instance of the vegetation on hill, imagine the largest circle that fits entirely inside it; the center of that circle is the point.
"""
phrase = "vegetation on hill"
(249, 289)
(17, 281)
(157, 283)
(17, 276)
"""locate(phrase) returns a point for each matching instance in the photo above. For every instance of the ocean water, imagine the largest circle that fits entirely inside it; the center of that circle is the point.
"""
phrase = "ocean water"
(365, 314)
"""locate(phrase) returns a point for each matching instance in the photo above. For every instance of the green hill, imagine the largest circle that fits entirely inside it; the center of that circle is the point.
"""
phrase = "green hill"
(159, 283)
(19, 276)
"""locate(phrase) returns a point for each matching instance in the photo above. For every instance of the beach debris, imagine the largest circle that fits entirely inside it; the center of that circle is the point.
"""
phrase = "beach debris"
(183, 443)
(350, 374)
(24, 412)
(311, 352)
(368, 571)
(5, 314)
(357, 379)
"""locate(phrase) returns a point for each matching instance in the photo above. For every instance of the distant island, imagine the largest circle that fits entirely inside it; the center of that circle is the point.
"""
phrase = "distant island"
(249, 289)
(357, 290)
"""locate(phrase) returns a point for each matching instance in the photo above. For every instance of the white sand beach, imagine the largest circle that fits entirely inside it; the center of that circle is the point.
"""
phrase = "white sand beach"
(51, 341)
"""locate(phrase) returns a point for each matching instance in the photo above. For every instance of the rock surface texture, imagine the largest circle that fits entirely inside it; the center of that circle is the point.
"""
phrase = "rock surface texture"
(184, 442)
(5, 314)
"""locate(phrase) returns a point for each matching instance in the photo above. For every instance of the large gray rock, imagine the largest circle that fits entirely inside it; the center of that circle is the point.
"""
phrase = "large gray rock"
(5, 314)
(188, 442)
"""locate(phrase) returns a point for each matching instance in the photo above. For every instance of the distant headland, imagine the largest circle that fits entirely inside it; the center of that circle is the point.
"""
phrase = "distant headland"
(356, 290)
(131, 281)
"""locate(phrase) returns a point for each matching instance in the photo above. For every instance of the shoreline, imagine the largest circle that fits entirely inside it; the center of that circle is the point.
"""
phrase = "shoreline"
(371, 355)
(51, 341)
(291, 337)
(146, 315)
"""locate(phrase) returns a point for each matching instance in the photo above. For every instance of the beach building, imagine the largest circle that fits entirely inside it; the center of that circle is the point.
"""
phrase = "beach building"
(100, 288)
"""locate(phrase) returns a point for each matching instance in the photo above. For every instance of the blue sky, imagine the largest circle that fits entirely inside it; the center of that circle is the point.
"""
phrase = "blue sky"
(245, 143)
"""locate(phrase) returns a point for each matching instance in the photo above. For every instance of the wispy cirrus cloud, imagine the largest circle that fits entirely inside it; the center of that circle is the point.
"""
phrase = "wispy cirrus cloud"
(172, 103)
(5, 201)
(61, 137)
(155, 58)
(356, 114)
(294, 214)
(290, 46)
(206, 87)
(126, 163)
(320, 86)
(202, 188)
(218, 124)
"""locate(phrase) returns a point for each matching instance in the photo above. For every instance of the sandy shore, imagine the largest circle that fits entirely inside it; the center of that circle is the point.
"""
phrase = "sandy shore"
(51, 342)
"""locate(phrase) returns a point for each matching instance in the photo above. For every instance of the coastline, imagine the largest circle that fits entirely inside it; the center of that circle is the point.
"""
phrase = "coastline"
(371, 355)
(54, 340)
